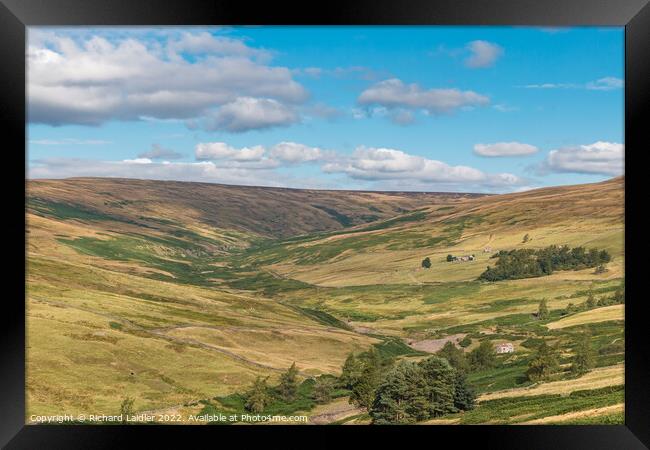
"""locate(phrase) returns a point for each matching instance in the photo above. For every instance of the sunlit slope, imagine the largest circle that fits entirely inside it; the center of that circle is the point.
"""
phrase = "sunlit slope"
(391, 251)
(96, 335)
(206, 208)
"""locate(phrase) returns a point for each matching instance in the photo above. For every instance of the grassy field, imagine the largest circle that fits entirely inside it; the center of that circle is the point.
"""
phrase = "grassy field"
(180, 294)
(614, 312)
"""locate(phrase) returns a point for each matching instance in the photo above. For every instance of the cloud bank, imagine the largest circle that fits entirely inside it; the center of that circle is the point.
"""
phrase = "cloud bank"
(505, 149)
(92, 80)
(602, 158)
(394, 94)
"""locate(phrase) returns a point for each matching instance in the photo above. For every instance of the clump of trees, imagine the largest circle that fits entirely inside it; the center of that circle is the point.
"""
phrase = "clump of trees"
(426, 262)
(412, 392)
(527, 263)
(260, 395)
(616, 298)
(408, 392)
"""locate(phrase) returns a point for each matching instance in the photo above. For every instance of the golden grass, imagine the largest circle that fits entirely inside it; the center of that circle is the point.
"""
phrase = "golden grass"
(314, 349)
(560, 418)
(614, 312)
(76, 363)
(597, 378)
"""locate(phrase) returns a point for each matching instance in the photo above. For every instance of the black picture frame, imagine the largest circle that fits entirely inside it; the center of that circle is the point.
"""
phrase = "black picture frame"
(16, 15)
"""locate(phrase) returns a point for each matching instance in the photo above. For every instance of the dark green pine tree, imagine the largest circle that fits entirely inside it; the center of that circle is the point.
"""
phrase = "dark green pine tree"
(364, 385)
(288, 387)
(351, 371)
(439, 378)
(464, 394)
(584, 358)
(401, 397)
(543, 365)
(363, 390)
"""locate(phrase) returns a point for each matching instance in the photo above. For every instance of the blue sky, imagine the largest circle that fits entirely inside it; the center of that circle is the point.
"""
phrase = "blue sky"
(483, 109)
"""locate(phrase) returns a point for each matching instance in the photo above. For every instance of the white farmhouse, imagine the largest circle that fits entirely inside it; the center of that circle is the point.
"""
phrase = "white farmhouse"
(505, 348)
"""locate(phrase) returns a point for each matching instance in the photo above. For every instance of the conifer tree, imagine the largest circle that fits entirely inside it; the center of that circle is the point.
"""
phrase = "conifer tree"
(288, 387)
(439, 378)
(464, 394)
(351, 371)
(258, 396)
(543, 365)
(584, 358)
(542, 310)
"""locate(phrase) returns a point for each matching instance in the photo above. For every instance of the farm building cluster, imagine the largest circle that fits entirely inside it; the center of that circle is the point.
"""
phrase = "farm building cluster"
(452, 258)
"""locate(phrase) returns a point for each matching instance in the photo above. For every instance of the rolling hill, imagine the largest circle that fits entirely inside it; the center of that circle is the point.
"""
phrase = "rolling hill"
(175, 293)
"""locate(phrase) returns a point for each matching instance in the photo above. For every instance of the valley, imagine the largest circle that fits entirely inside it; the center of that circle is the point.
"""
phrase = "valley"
(180, 295)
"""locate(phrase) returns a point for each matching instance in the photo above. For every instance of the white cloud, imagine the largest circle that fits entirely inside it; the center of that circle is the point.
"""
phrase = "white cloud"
(206, 43)
(137, 161)
(283, 153)
(218, 162)
(204, 171)
(293, 152)
(604, 158)
(393, 93)
(551, 86)
(386, 164)
(158, 152)
(221, 150)
(91, 80)
(248, 113)
(483, 54)
(505, 149)
(602, 84)
(605, 84)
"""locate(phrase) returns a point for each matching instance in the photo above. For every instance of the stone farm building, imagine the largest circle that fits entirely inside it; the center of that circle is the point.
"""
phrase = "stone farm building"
(505, 348)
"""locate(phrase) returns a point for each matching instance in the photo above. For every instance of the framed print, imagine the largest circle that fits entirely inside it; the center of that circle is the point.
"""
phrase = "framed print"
(364, 219)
